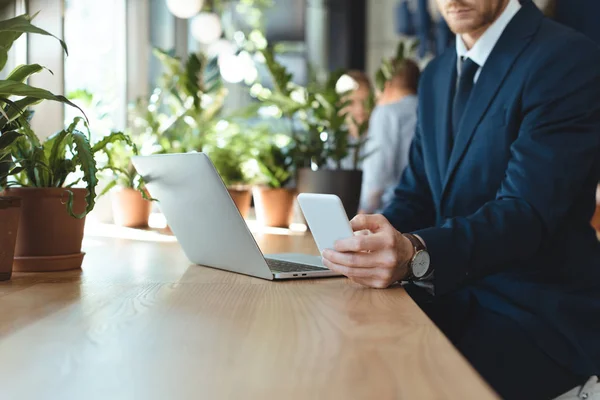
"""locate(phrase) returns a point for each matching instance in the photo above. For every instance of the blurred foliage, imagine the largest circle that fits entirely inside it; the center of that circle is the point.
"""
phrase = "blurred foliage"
(275, 161)
(182, 112)
(316, 115)
(119, 170)
(233, 150)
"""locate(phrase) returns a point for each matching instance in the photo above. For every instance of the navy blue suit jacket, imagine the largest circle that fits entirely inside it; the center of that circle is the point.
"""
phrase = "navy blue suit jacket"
(581, 15)
(506, 212)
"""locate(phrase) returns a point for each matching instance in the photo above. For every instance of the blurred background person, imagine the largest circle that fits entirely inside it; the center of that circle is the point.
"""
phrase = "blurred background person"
(358, 112)
(391, 130)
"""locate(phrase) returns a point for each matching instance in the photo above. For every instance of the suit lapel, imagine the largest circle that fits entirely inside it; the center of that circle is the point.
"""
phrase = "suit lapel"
(446, 84)
(507, 50)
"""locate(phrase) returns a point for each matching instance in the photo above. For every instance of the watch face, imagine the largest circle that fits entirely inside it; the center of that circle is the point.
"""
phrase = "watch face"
(420, 264)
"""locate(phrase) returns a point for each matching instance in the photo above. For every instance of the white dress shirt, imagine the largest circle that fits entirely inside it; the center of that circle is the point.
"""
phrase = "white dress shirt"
(482, 49)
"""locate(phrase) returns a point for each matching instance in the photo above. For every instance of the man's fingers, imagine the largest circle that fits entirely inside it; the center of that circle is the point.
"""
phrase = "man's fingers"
(356, 260)
(364, 243)
(350, 272)
(373, 222)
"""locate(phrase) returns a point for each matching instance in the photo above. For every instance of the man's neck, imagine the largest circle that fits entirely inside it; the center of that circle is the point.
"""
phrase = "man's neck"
(469, 39)
(394, 95)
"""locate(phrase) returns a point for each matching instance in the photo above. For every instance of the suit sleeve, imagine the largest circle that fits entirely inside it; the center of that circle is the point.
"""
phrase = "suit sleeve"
(412, 207)
(553, 160)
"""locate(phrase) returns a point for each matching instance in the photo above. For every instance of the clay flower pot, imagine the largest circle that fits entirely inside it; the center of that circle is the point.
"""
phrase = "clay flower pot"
(129, 208)
(274, 207)
(10, 210)
(242, 197)
(596, 217)
(49, 239)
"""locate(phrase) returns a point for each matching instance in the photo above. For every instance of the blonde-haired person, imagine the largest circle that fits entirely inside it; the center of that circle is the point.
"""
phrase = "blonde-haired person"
(359, 88)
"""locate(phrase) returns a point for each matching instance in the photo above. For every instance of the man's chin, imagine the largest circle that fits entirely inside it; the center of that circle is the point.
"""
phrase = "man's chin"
(461, 27)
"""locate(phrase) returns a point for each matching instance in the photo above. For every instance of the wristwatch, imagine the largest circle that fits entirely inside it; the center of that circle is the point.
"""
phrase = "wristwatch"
(419, 266)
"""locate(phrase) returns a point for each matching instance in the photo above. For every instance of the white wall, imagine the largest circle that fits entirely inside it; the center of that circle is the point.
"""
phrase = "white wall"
(382, 40)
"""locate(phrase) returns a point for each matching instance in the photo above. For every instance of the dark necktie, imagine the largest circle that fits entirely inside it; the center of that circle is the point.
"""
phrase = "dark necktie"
(463, 91)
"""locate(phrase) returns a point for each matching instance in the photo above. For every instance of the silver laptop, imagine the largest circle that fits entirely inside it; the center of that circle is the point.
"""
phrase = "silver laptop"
(207, 223)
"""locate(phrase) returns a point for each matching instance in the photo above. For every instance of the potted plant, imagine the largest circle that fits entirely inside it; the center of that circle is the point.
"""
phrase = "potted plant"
(323, 142)
(229, 153)
(11, 118)
(131, 204)
(10, 211)
(596, 217)
(330, 123)
(274, 201)
(45, 176)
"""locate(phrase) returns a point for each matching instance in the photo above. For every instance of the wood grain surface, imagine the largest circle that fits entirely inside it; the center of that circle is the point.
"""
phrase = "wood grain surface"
(140, 322)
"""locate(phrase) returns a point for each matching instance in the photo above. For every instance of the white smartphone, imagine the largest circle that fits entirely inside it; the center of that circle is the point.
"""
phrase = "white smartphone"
(326, 218)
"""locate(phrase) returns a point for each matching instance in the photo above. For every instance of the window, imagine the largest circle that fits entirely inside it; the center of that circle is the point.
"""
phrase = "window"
(95, 70)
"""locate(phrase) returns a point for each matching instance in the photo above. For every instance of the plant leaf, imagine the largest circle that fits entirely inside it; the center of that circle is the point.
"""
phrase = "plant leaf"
(22, 24)
(14, 109)
(141, 187)
(22, 72)
(70, 185)
(108, 187)
(55, 145)
(7, 139)
(112, 138)
(193, 78)
(12, 88)
(85, 159)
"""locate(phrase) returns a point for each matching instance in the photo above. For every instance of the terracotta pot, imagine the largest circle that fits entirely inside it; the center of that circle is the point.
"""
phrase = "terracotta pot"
(274, 207)
(129, 208)
(10, 210)
(596, 219)
(49, 238)
(242, 197)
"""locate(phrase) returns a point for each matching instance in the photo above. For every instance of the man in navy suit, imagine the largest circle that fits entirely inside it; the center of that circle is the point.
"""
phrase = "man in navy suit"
(490, 222)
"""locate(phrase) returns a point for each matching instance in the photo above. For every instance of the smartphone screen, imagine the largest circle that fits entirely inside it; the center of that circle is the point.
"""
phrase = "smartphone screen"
(326, 218)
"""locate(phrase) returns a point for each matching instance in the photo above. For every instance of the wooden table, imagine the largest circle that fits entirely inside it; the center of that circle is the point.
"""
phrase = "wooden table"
(140, 322)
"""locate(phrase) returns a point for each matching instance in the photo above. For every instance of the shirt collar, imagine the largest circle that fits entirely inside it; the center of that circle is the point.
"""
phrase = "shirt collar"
(482, 49)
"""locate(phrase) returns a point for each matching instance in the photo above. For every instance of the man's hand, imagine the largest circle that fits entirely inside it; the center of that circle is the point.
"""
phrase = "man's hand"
(377, 260)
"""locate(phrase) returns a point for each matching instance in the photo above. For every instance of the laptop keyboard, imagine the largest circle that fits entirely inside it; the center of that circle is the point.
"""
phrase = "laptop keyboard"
(286, 266)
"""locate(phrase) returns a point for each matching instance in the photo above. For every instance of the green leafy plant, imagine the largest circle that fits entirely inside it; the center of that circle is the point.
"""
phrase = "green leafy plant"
(227, 162)
(183, 111)
(330, 115)
(120, 170)
(14, 84)
(230, 152)
(319, 110)
(293, 102)
(12, 109)
(61, 156)
(6, 140)
(389, 66)
(276, 162)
